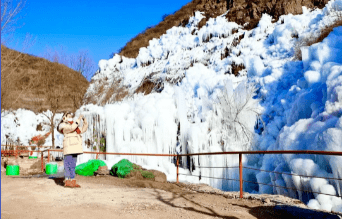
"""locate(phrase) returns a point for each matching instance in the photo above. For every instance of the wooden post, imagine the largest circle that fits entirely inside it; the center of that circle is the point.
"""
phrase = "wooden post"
(97, 156)
(42, 161)
(48, 155)
(177, 168)
(241, 181)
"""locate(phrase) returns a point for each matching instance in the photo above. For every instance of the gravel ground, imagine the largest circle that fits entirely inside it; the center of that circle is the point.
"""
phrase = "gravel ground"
(108, 197)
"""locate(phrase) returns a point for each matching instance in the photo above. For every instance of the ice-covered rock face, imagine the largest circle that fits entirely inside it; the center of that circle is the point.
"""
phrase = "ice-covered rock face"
(301, 100)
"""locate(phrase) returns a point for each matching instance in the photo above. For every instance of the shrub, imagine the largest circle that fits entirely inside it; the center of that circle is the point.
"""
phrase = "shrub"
(148, 175)
(144, 173)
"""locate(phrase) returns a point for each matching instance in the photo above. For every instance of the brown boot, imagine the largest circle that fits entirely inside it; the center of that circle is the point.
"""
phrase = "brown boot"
(74, 184)
(68, 183)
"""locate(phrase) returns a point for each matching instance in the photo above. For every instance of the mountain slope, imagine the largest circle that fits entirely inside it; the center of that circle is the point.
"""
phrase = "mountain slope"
(197, 32)
(240, 11)
(25, 80)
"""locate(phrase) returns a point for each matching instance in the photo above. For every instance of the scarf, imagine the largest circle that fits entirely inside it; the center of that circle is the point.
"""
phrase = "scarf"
(77, 129)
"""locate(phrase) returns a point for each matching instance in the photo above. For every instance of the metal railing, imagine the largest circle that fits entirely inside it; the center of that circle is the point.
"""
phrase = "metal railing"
(330, 153)
(240, 153)
(28, 146)
(18, 150)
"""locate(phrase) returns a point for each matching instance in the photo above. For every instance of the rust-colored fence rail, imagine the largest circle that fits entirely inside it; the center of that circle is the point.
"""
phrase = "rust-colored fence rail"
(240, 153)
(329, 153)
(27, 146)
(18, 150)
(15, 153)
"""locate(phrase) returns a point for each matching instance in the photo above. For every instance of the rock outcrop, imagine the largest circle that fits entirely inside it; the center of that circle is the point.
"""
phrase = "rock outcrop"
(247, 11)
(240, 11)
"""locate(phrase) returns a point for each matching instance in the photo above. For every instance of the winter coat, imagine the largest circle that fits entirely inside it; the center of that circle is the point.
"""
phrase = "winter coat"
(72, 142)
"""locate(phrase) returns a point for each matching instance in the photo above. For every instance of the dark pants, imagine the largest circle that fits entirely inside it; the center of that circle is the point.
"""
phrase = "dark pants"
(69, 165)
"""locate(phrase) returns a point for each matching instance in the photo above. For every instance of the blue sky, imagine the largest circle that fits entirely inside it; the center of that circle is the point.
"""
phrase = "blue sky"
(101, 27)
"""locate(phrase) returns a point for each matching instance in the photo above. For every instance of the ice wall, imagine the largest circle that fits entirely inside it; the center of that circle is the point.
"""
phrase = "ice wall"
(181, 119)
(96, 119)
(301, 101)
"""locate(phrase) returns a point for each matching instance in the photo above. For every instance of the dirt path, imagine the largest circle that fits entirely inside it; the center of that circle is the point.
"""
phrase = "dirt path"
(111, 197)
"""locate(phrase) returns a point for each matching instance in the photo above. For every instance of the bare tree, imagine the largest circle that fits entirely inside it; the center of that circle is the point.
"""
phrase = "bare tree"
(76, 100)
(50, 100)
(57, 55)
(9, 15)
(82, 63)
(238, 111)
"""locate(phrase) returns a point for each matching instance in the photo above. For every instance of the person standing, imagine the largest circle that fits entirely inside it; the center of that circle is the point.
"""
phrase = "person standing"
(72, 145)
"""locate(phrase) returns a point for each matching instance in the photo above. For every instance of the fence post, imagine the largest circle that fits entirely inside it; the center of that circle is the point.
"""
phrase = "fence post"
(177, 168)
(16, 152)
(241, 181)
(42, 161)
(48, 155)
(97, 156)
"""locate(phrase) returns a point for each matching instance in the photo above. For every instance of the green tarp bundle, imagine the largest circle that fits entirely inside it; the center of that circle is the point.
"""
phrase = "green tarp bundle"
(122, 168)
(88, 168)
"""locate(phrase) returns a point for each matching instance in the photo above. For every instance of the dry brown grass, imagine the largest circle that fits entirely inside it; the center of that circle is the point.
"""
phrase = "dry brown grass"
(101, 88)
(310, 40)
(237, 40)
(146, 87)
(119, 93)
(113, 92)
(226, 53)
(236, 68)
(202, 22)
(26, 78)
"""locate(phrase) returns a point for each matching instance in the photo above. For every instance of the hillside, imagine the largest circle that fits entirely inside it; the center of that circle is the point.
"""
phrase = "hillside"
(240, 11)
(157, 53)
(28, 82)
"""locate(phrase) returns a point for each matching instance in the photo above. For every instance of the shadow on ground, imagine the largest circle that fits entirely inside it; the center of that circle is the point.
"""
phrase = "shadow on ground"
(202, 203)
(59, 181)
(206, 210)
(288, 211)
(262, 212)
(296, 212)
